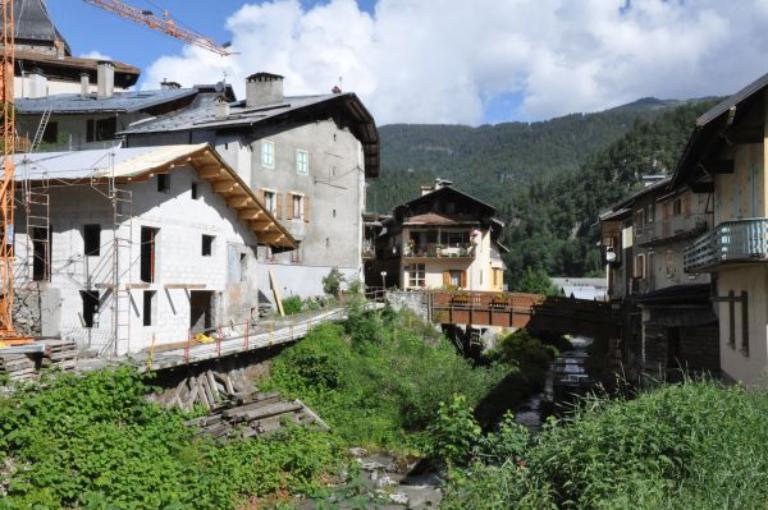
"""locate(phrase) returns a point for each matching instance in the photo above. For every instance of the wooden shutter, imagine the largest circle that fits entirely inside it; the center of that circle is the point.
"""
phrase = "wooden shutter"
(288, 206)
(446, 278)
(279, 205)
(464, 279)
(306, 208)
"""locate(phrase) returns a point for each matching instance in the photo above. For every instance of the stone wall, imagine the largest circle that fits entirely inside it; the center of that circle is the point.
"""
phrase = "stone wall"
(26, 312)
(414, 301)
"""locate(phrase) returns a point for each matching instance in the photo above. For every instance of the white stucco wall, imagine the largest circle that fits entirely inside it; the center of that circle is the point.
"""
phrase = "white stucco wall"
(181, 221)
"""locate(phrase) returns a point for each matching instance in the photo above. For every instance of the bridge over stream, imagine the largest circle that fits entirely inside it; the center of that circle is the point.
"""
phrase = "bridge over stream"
(536, 312)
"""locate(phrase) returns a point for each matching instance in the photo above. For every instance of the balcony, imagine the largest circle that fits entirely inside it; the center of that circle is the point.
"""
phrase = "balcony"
(439, 251)
(732, 241)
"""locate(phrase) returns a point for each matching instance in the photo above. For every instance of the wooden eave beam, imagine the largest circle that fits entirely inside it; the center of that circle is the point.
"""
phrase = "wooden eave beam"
(261, 226)
(211, 172)
(229, 186)
(250, 213)
(241, 202)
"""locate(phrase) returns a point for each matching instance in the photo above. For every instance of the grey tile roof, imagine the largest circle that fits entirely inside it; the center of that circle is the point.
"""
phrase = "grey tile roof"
(201, 114)
(125, 102)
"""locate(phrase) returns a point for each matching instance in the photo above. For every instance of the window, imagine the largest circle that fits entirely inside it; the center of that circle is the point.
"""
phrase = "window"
(455, 278)
(147, 260)
(640, 221)
(639, 269)
(298, 207)
(243, 266)
(677, 207)
(51, 133)
(195, 192)
(92, 240)
(90, 300)
(302, 162)
(41, 250)
(164, 183)
(149, 304)
(268, 154)
(270, 202)
(100, 130)
(207, 245)
(416, 275)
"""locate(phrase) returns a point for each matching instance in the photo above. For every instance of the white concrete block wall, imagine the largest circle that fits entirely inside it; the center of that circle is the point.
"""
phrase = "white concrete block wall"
(182, 222)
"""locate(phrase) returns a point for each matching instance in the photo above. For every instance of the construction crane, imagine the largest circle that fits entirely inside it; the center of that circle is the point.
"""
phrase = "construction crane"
(8, 335)
(162, 23)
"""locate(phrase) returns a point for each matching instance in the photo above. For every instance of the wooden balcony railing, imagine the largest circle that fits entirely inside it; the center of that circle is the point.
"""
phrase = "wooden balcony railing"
(436, 250)
(732, 241)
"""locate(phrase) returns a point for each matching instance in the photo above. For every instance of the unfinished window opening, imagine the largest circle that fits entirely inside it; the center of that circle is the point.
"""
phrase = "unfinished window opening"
(207, 245)
(195, 193)
(90, 300)
(148, 253)
(92, 240)
(201, 310)
(101, 130)
(148, 307)
(164, 183)
(41, 249)
(51, 133)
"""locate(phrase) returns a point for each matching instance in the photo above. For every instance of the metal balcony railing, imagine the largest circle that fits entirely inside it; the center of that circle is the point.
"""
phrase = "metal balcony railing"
(435, 250)
(732, 241)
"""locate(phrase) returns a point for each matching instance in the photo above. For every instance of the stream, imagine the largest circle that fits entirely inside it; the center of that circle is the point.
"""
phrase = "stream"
(566, 377)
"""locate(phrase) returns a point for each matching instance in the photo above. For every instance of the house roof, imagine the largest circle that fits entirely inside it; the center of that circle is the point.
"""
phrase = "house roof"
(141, 163)
(123, 102)
(125, 75)
(201, 114)
(33, 23)
(447, 190)
(717, 123)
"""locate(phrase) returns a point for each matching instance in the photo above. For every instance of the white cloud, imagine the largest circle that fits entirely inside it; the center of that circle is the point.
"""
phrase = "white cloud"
(96, 54)
(444, 61)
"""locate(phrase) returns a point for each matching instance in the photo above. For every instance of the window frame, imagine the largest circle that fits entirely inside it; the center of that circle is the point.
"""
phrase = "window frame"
(297, 198)
(270, 201)
(302, 162)
(148, 308)
(271, 153)
(164, 183)
(417, 276)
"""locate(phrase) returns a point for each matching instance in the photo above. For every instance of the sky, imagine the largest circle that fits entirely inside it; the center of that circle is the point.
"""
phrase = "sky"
(449, 61)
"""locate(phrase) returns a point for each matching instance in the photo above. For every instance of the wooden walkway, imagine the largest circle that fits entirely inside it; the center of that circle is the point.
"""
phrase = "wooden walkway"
(532, 311)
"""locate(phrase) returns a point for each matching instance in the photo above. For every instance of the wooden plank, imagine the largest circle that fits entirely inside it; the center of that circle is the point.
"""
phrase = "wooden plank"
(185, 286)
(277, 292)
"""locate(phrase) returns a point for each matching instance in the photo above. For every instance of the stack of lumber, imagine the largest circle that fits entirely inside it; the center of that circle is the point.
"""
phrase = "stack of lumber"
(19, 367)
(255, 414)
(208, 388)
(60, 354)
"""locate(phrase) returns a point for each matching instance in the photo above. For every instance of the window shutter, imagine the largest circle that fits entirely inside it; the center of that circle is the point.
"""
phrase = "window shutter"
(446, 278)
(464, 279)
(306, 208)
(279, 205)
(288, 206)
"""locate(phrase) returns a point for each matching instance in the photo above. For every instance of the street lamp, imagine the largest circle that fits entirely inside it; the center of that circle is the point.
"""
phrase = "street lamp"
(384, 280)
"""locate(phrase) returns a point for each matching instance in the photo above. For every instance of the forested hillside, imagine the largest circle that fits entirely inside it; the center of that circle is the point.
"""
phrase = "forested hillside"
(547, 179)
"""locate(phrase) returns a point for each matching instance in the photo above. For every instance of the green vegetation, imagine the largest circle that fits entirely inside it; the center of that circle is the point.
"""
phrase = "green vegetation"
(293, 305)
(696, 445)
(548, 180)
(95, 442)
(378, 379)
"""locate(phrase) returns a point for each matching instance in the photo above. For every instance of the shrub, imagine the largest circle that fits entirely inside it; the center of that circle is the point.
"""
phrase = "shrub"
(455, 433)
(94, 441)
(332, 282)
(293, 305)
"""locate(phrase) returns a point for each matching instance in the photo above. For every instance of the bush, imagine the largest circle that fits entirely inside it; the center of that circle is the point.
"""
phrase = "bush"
(455, 433)
(376, 380)
(696, 445)
(293, 305)
(94, 441)
(332, 282)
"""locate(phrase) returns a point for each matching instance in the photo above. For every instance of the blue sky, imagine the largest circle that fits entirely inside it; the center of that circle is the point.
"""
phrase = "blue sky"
(450, 61)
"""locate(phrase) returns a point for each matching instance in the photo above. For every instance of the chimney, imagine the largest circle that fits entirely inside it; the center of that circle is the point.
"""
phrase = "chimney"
(38, 83)
(85, 85)
(169, 85)
(439, 184)
(263, 89)
(221, 108)
(106, 79)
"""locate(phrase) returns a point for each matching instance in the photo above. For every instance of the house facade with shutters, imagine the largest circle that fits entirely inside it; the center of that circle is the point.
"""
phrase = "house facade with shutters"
(670, 324)
(443, 239)
(725, 159)
(307, 159)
